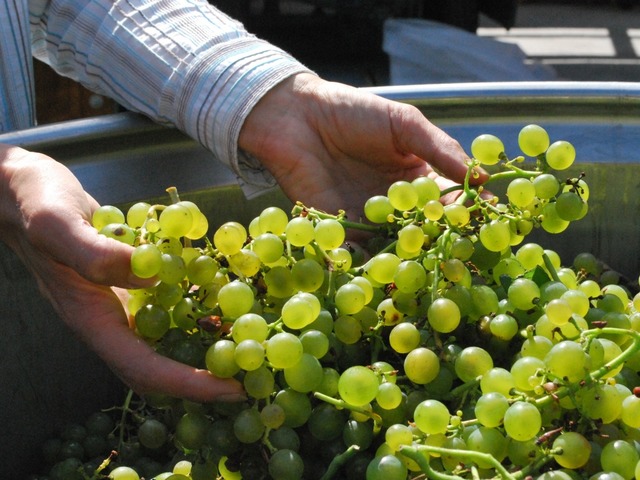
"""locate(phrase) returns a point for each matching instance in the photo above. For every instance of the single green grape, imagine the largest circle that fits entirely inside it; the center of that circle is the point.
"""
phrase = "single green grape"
(533, 140)
(487, 149)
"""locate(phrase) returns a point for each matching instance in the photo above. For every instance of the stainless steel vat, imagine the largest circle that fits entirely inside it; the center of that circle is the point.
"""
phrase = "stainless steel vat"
(48, 378)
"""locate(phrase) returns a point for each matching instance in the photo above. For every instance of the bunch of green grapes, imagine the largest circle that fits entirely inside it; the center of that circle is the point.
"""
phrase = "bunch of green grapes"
(448, 348)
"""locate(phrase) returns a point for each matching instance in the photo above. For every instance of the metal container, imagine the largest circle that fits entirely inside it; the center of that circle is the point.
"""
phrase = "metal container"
(48, 378)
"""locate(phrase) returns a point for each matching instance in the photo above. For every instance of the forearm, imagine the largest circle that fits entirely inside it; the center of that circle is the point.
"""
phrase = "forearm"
(181, 62)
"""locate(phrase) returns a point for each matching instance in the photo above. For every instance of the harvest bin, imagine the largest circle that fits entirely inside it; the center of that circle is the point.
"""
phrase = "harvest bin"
(48, 378)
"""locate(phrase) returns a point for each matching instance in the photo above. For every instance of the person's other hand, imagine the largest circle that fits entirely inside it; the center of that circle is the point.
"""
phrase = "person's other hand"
(332, 146)
(45, 218)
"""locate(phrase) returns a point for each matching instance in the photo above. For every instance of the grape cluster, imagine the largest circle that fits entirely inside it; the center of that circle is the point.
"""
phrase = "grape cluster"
(448, 348)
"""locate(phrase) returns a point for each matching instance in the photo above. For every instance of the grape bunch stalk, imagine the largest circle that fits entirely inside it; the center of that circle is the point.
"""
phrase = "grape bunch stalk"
(446, 347)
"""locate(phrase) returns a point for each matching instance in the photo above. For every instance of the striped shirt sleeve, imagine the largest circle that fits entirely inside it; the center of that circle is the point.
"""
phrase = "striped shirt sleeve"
(181, 62)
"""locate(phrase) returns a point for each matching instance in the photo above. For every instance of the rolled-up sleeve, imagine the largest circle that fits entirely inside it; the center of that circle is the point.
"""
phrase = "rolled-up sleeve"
(180, 62)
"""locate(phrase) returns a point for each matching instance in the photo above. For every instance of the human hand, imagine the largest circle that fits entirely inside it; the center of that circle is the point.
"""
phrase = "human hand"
(332, 146)
(44, 218)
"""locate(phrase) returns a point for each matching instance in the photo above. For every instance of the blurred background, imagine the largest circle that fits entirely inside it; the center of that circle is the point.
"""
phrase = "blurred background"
(384, 42)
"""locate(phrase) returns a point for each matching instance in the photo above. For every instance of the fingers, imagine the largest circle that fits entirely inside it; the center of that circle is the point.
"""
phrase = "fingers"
(420, 137)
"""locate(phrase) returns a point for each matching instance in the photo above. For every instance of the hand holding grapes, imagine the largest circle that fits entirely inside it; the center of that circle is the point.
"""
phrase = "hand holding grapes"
(45, 219)
(334, 146)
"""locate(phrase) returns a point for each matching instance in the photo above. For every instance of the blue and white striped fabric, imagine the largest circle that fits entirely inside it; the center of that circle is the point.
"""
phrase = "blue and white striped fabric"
(181, 62)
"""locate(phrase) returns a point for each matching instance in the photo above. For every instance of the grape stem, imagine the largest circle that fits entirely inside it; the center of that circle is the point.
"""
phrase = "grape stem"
(338, 461)
(416, 453)
(342, 404)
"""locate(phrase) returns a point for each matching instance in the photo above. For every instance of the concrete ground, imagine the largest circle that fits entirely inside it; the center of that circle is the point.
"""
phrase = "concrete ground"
(582, 40)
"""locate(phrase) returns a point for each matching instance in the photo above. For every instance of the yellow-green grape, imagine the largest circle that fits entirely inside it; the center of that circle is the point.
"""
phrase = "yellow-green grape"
(462, 248)
(443, 315)
(268, 247)
(503, 326)
(497, 379)
(199, 228)
(561, 155)
(551, 221)
(366, 287)
(279, 281)
(329, 234)
(386, 467)
(272, 416)
(247, 426)
(533, 140)
(235, 298)
(106, 214)
(202, 269)
(284, 350)
(383, 267)
(347, 329)
(472, 362)
(307, 275)
(119, 231)
(306, 375)
(602, 402)
(340, 258)
(171, 245)
(249, 354)
(299, 231)
(389, 312)
(199, 225)
(173, 269)
(273, 220)
(454, 269)
(421, 366)
(229, 238)
(123, 473)
(570, 206)
(427, 189)
(300, 310)
(250, 326)
(409, 276)
(220, 359)
(572, 450)
(522, 421)
(411, 238)
(523, 293)
(358, 385)
(398, 435)
(521, 192)
(146, 260)
(404, 337)
(530, 255)
(495, 236)
(349, 299)
(546, 186)
(244, 263)
(259, 383)
(402, 195)
(487, 149)
(176, 220)
(389, 395)
(490, 409)
(487, 440)
(432, 417)
(152, 321)
(566, 359)
(457, 215)
(137, 214)
(378, 208)
(314, 342)
(630, 413)
(433, 210)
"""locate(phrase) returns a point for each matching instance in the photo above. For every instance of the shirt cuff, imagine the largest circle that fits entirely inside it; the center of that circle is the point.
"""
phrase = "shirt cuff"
(219, 92)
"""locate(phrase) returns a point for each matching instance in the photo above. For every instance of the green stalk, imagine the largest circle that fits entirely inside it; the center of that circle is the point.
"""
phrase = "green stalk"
(339, 461)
